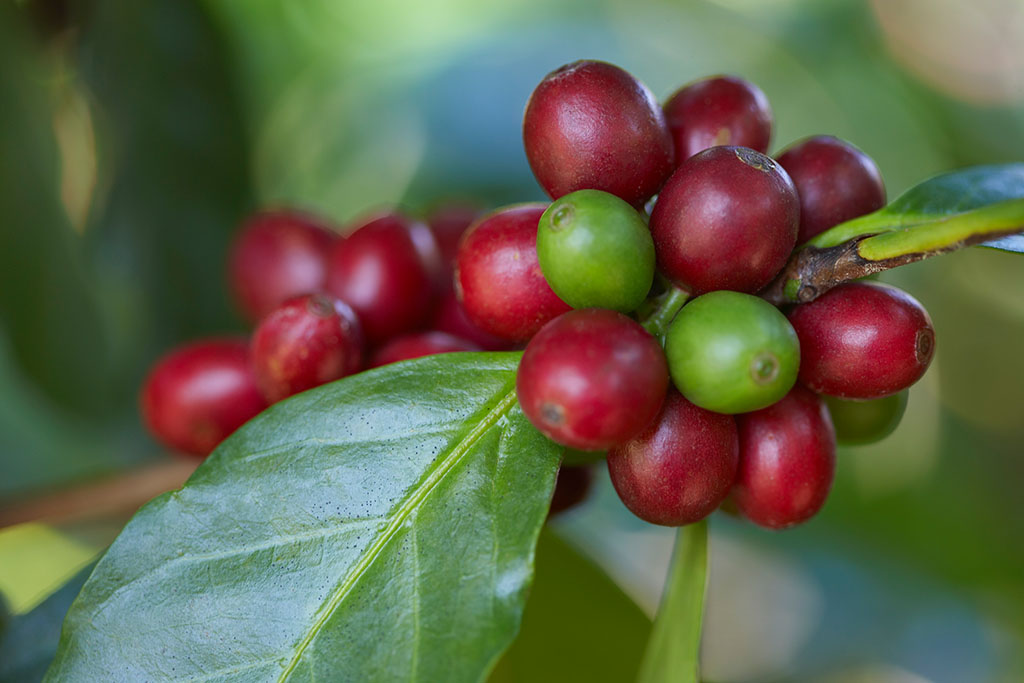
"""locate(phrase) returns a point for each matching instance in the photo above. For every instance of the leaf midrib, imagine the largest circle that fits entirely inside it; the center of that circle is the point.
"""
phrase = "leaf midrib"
(455, 455)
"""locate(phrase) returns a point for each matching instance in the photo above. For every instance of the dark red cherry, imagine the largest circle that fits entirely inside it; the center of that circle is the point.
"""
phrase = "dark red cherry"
(449, 222)
(787, 461)
(198, 394)
(571, 488)
(592, 126)
(419, 344)
(863, 340)
(680, 468)
(451, 318)
(278, 255)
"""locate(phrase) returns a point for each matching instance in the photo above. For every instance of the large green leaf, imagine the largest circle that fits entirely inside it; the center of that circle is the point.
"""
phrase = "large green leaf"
(674, 648)
(578, 625)
(381, 527)
(977, 199)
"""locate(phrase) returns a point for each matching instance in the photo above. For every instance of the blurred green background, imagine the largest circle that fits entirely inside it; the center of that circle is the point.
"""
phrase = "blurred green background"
(135, 136)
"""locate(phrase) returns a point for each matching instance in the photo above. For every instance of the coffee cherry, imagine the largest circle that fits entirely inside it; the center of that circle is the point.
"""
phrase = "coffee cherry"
(591, 125)
(595, 251)
(732, 353)
(388, 270)
(835, 182)
(591, 379)
(449, 222)
(680, 468)
(278, 255)
(722, 110)
(787, 461)
(419, 344)
(450, 317)
(307, 341)
(571, 488)
(498, 278)
(198, 394)
(726, 219)
(863, 340)
(862, 422)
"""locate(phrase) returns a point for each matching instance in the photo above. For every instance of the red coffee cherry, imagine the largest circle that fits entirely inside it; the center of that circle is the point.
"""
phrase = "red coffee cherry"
(716, 111)
(592, 126)
(449, 222)
(592, 379)
(498, 278)
(198, 394)
(419, 344)
(726, 219)
(787, 461)
(835, 182)
(278, 255)
(451, 318)
(388, 270)
(863, 340)
(571, 488)
(680, 468)
(307, 341)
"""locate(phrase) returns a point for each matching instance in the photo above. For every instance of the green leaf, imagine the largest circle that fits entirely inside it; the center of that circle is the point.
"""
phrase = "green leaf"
(959, 204)
(673, 651)
(378, 528)
(28, 644)
(578, 625)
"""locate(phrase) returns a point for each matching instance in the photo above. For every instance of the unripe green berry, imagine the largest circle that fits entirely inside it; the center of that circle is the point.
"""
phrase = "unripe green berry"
(732, 353)
(595, 251)
(862, 422)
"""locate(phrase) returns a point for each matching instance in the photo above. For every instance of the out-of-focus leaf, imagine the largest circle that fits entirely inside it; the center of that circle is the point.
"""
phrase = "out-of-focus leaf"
(30, 641)
(578, 625)
(35, 559)
(673, 650)
(381, 527)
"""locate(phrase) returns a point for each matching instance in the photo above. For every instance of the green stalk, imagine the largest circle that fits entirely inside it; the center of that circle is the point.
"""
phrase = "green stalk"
(667, 306)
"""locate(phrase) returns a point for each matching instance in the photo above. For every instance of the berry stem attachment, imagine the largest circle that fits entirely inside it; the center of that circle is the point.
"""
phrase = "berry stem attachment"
(666, 306)
(814, 269)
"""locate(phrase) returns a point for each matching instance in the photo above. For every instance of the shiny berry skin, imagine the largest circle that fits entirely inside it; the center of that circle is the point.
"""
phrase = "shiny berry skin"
(307, 341)
(787, 461)
(388, 270)
(498, 277)
(592, 126)
(571, 488)
(449, 222)
(592, 379)
(198, 394)
(726, 219)
(835, 182)
(680, 468)
(862, 422)
(419, 344)
(863, 340)
(716, 111)
(732, 353)
(278, 255)
(595, 251)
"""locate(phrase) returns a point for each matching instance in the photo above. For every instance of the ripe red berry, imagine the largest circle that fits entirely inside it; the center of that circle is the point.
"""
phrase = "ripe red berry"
(450, 317)
(863, 340)
(787, 461)
(680, 468)
(592, 126)
(726, 219)
(592, 379)
(835, 181)
(278, 255)
(419, 344)
(198, 394)
(449, 222)
(498, 277)
(716, 111)
(307, 341)
(571, 488)
(388, 270)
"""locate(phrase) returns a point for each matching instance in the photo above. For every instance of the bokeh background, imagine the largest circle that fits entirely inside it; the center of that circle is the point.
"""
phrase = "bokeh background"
(135, 136)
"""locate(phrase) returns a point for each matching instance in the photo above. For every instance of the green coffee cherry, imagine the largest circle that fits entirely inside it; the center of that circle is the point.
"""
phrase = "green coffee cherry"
(732, 353)
(863, 422)
(595, 251)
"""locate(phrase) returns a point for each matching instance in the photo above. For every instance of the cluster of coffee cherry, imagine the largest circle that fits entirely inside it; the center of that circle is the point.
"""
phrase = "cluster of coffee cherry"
(724, 401)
